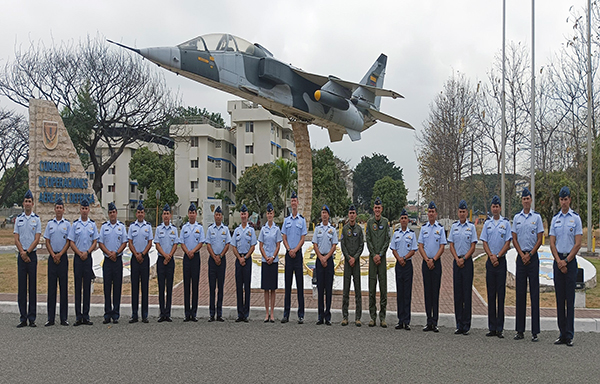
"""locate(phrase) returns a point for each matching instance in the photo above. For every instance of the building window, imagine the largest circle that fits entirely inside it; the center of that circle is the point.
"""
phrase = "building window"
(194, 185)
(249, 126)
(193, 142)
(211, 181)
(90, 175)
(217, 183)
(249, 148)
(194, 163)
(211, 140)
(211, 160)
(132, 188)
(277, 151)
(111, 188)
(272, 148)
(111, 170)
(218, 164)
(218, 144)
(272, 128)
(277, 131)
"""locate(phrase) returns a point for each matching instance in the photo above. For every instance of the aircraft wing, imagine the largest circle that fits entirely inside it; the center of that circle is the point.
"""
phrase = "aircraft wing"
(322, 80)
(389, 119)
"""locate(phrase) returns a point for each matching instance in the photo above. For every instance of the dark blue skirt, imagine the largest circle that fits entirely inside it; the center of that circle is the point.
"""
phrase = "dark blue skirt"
(269, 276)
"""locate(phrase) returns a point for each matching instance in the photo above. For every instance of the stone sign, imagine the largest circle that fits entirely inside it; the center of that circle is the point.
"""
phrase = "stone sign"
(54, 167)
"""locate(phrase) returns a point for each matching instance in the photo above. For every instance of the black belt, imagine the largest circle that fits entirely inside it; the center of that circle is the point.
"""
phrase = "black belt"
(524, 251)
(563, 255)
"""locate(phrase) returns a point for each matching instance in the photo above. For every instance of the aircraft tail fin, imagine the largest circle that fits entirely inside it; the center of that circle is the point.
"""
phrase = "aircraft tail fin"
(374, 78)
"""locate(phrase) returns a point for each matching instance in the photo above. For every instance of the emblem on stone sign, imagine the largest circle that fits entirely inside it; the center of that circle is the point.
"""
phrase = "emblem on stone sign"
(50, 129)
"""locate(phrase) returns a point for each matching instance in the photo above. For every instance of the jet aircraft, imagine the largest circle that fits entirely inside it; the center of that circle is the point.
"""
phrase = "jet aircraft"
(250, 71)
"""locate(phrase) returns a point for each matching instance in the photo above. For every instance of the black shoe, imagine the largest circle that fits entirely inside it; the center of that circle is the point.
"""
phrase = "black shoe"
(131, 321)
(300, 320)
(145, 320)
(534, 338)
(465, 333)
(64, 323)
(491, 333)
(458, 332)
(327, 322)
(115, 321)
(407, 327)
(194, 319)
(160, 319)
(500, 335)
(559, 341)
(168, 319)
(22, 324)
(519, 336)
(399, 326)
(105, 321)
(239, 320)
(49, 323)
(32, 324)
(187, 318)
(246, 320)
(266, 320)
(78, 323)
(211, 319)
(319, 322)
(569, 342)
(435, 329)
(219, 318)
(427, 328)
(284, 320)
(88, 322)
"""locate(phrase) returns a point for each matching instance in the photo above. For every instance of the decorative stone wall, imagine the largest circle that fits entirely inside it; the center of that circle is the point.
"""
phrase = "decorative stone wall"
(54, 167)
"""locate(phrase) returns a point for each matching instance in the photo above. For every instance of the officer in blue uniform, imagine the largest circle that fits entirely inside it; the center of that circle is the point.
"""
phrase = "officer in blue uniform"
(192, 239)
(243, 243)
(112, 242)
(83, 237)
(166, 240)
(57, 244)
(565, 241)
(462, 239)
(403, 246)
(496, 236)
(28, 230)
(432, 241)
(527, 229)
(293, 234)
(140, 241)
(325, 242)
(217, 243)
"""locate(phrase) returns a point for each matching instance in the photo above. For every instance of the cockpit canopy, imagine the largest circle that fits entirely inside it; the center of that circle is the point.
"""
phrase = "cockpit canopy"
(223, 42)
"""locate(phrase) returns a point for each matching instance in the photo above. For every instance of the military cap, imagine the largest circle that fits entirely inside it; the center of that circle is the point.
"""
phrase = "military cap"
(85, 202)
(525, 192)
(496, 200)
(167, 208)
(59, 201)
(462, 205)
(218, 209)
(28, 195)
(294, 195)
(351, 208)
(270, 207)
(140, 206)
(192, 208)
(432, 205)
(564, 192)
(403, 213)
(244, 208)
(325, 208)
(112, 207)
(377, 201)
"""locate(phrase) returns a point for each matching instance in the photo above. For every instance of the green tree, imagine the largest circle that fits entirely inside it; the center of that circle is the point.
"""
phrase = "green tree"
(20, 185)
(224, 196)
(328, 185)
(285, 175)
(367, 172)
(393, 196)
(152, 172)
(80, 121)
(256, 189)
(186, 115)
(547, 187)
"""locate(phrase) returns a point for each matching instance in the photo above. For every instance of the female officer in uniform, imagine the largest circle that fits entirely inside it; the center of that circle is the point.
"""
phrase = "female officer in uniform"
(269, 242)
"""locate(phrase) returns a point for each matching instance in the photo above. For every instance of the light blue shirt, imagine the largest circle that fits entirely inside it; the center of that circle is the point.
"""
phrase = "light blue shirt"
(565, 228)
(243, 238)
(192, 235)
(294, 228)
(57, 232)
(140, 234)
(462, 236)
(83, 234)
(404, 241)
(325, 237)
(27, 227)
(432, 236)
(218, 237)
(112, 235)
(496, 233)
(269, 237)
(167, 237)
(526, 228)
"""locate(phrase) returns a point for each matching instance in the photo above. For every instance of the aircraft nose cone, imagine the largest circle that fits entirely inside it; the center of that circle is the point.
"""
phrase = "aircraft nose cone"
(164, 56)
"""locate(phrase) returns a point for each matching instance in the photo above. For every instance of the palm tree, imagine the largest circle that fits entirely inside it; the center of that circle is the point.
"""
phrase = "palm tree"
(224, 196)
(285, 175)
(304, 158)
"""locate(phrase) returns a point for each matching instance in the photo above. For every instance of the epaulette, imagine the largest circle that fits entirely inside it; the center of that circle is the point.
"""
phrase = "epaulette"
(75, 221)
(105, 222)
(301, 216)
(577, 214)
(557, 213)
(398, 229)
(410, 230)
(22, 214)
(91, 220)
(35, 215)
(457, 221)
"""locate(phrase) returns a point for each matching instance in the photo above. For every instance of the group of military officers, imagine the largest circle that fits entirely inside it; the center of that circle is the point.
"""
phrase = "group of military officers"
(525, 233)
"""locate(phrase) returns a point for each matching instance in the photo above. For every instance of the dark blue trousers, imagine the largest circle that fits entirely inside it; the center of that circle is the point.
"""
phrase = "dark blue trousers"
(165, 274)
(432, 280)
(242, 286)
(293, 267)
(529, 272)
(27, 280)
(404, 281)
(463, 288)
(191, 279)
(216, 278)
(58, 275)
(112, 276)
(495, 281)
(83, 273)
(140, 275)
(324, 288)
(564, 286)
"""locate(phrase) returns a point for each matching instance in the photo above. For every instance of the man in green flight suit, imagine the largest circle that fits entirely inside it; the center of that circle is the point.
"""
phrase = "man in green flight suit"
(378, 241)
(352, 247)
